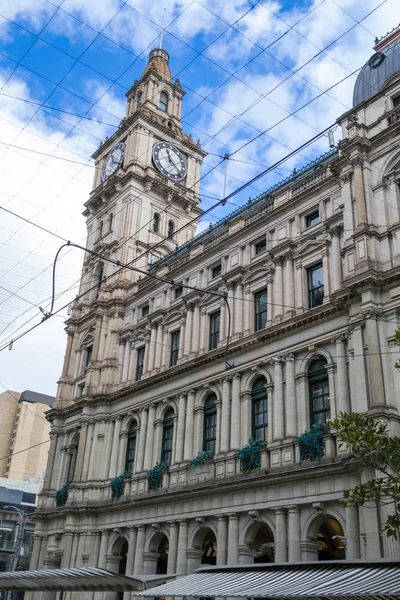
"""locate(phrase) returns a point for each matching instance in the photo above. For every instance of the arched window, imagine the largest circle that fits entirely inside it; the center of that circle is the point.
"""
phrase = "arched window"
(100, 231)
(110, 222)
(131, 447)
(259, 400)
(156, 222)
(140, 99)
(168, 435)
(163, 105)
(210, 423)
(171, 229)
(318, 385)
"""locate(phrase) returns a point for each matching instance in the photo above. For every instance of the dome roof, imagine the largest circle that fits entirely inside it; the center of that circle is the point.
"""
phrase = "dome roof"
(375, 73)
(158, 60)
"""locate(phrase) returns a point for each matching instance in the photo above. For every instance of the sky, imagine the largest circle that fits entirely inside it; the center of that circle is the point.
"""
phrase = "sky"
(279, 72)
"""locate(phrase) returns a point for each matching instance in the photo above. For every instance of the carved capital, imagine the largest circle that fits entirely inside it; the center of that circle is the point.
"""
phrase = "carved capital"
(336, 231)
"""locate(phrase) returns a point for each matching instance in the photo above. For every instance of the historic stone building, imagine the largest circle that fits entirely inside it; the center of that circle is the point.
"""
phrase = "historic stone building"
(312, 275)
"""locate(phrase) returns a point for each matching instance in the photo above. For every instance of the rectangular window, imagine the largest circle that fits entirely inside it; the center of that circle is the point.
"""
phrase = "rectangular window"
(260, 310)
(130, 452)
(168, 434)
(178, 292)
(320, 401)
(260, 247)
(210, 429)
(313, 219)
(315, 286)
(216, 271)
(145, 310)
(260, 418)
(175, 339)
(140, 363)
(396, 102)
(215, 321)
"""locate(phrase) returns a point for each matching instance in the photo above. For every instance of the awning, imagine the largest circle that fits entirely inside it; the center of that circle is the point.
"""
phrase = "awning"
(85, 579)
(323, 580)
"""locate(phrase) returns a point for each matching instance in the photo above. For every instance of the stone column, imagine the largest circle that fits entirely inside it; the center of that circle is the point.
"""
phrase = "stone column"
(278, 287)
(127, 358)
(233, 539)
(198, 430)
(223, 321)
(148, 457)
(180, 432)
(222, 541)
(235, 418)
(103, 548)
(203, 333)
(138, 563)
(279, 419)
(325, 268)
(245, 398)
(88, 451)
(294, 534)
(66, 557)
(173, 548)
(343, 396)
(231, 292)
(159, 347)
(348, 230)
(281, 535)
(142, 440)
(373, 358)
(115, 449)
(352, 533)
(247, 327)
(131, 551)
(239, 309)
(270, 297)
(291, 406)
(94, 549)
(299, 284)
(336, 258)
(181, 561)
(189, 430)
(289, 309)
(93, 451)
(146, 361)
(181, 352)
(225, 417)
(50, 460)
(359, 192)
(196, 330)
(37, 542)
(152, 346)
(80, 455)
(121, 353)
(109, 432)
(188, 330)
(123, 443)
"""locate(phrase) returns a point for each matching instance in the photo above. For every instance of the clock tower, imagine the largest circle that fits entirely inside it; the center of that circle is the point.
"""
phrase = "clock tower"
(146, 185)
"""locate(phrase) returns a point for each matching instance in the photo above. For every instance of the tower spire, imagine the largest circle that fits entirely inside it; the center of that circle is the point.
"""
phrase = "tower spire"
(162, 30)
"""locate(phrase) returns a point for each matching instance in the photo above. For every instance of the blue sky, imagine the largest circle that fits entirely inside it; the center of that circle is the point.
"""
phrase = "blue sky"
(244, 65)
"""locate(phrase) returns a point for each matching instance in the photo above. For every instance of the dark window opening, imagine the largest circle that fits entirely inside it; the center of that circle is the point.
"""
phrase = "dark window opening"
(131, 448)
(163, 105)
(178, 292)
(260, 247)
(145, 310)
(89, 353)
(215, 321)
(156, 222)
(396, 102)
(318, 384)
(100, 231)
(175, 340)
(260, 310)
(216, 271)
(140, 99)
(140, 363)
(315, 286)
(110, 222)
(313, 219)
(210, 423)
(171, 229)
(259, 398)
(168, 435)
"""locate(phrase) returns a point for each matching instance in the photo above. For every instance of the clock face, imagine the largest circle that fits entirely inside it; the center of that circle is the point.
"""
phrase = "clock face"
(113, 161)
(169, 161)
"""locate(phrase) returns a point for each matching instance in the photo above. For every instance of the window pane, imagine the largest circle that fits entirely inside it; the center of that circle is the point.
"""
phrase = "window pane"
(214, 330)
(261, 313)
(175, 340)
(316, 286)
(313, 219)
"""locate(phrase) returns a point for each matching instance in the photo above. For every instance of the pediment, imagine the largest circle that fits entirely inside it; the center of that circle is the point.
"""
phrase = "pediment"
(310, 246)
(87, 338)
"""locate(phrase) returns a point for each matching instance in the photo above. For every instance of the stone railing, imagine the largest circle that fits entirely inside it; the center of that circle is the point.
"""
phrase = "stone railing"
(260, 212)
(309, 182)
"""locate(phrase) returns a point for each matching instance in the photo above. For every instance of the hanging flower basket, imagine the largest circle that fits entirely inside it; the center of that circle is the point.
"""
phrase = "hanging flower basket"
(62, 495)
(311, 443)
(250, 456)
(155, 475)
(201, 458)
(118, 486)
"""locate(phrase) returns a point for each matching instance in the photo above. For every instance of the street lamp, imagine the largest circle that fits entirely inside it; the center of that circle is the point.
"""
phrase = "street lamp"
(20, 535)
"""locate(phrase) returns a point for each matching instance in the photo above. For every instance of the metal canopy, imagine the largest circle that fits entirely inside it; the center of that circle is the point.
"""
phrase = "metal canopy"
(307, 580)
(86, 579)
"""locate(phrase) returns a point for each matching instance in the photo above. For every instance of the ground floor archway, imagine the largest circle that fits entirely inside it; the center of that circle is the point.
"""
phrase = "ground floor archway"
(331, 540)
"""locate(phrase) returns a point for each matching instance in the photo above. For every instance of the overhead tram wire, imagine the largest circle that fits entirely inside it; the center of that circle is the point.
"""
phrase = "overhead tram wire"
(222, 201)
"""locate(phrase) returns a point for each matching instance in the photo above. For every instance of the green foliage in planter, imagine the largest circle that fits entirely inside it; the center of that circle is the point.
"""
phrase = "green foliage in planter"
(250, 455)
(117, 485)
(311, 443)
(62, 495)
(201, 458)
(155, 475)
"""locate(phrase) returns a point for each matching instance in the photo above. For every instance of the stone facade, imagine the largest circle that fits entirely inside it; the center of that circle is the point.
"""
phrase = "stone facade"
(311, 275)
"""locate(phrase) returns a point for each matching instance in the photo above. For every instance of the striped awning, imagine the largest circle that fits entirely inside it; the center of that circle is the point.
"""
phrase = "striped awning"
(86, 579)
(307, 580)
